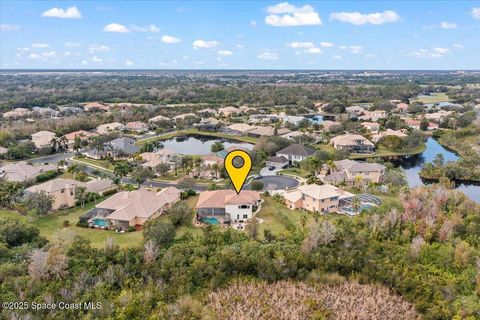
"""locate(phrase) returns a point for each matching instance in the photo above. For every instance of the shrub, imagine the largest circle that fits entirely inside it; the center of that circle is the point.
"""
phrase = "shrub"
(66, 223)
(109, 192)
(46, 176)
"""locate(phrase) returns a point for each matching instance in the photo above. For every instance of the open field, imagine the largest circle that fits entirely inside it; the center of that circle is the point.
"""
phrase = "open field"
(432, 98)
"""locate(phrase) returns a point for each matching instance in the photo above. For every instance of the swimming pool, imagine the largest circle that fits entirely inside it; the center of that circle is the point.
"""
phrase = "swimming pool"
(350, 210)
(99, 222)
(210, 220)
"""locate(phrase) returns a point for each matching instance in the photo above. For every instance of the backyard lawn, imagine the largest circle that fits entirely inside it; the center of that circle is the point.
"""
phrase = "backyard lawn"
(105, 164)
(295, 171)
(51, 224)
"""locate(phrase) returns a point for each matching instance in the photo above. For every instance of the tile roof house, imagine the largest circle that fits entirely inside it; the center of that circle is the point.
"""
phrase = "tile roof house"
(110, 127)
(207, 169)
(357, 110)
(389, 132)
(137, 126)
(22, 172)
(183, 116)
(228, 111)
(133, 208)
(293, 134)
(330, 125)
(371, 126)
(153, 159)
(227, 205)
(239, 129)
(401, 107)
(62, 191)
(43, 139)
(295, 153)
(353, 143)
(82, 134)
(96, 106)
(159, 118)
(262, 132)
(313, 197)
(16, 113)
(353, 172)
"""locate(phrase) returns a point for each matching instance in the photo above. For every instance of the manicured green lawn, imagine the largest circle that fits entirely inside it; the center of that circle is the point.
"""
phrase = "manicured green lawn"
(295, 171)
(382, 152)
(433, 98)
(324, 147)
(100, 163)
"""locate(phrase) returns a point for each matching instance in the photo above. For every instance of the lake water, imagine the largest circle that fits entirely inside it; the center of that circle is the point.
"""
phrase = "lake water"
(413, 167)
(199, 145)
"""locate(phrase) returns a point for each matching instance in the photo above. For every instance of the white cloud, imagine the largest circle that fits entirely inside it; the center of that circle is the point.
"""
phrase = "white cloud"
(358, 18)
(70, 13)
(151, 28)
(336, 56)
(170, 39)
(98, 48)
(356, 49)
(9, 27)
(476, 13)
(72, 44)
(96, 59)
(448, 25)
(314, 50)
(434, 53)
(204, 44)
(253, 23)
(303, 45)
(343, 47)
(288, 15)
(326, 44)
(457, 46)
(43, 55)
(225, 52)
(267, 55)
(115, 27)
(40, 45)
(128, 63)
(84, 62)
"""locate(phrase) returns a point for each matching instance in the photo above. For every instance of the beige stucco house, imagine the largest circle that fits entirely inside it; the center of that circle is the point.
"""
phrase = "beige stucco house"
(313, 197)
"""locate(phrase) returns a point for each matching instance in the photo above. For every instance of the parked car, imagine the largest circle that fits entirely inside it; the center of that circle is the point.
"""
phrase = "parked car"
(271, 168)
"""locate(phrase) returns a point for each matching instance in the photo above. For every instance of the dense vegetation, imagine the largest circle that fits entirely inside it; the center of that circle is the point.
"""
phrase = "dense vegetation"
(425, 248)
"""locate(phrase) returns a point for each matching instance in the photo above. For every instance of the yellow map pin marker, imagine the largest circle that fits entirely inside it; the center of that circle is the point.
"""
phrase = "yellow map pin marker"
(238, 174)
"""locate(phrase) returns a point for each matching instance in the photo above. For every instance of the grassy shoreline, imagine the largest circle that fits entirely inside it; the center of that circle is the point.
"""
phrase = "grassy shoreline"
(201, 133)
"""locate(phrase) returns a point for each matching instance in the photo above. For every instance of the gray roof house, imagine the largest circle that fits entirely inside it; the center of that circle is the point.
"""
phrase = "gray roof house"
(295, 152)
(277, 162)
(119, 147)
(348, 171)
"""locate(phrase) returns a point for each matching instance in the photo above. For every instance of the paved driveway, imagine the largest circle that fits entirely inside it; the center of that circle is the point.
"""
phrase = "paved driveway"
(277, 183)
(265, 172)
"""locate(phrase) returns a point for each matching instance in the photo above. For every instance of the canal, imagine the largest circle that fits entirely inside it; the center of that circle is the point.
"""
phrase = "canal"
(412, 168)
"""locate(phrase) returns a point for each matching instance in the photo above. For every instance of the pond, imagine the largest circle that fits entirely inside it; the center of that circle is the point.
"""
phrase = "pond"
(199, 145)
(412, 168)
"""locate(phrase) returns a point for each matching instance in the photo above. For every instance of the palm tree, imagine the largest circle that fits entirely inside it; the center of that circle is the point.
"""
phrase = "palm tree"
(216, 168)
(81, 195)
(54, 144)
(62, 142)
(331, 166)
(74, 169)
(121, 169)
(356, 204)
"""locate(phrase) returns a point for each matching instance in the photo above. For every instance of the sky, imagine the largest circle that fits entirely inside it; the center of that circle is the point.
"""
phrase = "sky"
(383, 35)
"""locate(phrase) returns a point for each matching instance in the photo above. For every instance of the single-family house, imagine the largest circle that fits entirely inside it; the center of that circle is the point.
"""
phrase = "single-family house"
(16, 113)
(121, 148)
(295, 120)
(373, 115)
(229, 111)
(238, 129)
(96, 106)
(207, 112)
(184, 116)
(353, 143)
(22, 171)
(61, 190)
(81, 134)
(262, 132)
(137, 126)
(277, 162)
(356, 110)
(227, 205)
(329, 125)
(208, 124)
(401, 108)
(107, 128)
(295, 153)
(210, 167)
(158, 118)
(292, 135)
(134, 208)
(163, 156)
(353, 172)
(371, 126)
(389, 132)
(43, 139)
(313, 197)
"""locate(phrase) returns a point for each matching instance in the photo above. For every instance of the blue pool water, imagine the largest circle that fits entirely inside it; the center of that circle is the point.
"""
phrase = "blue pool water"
(211, 220)
(98, 222)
